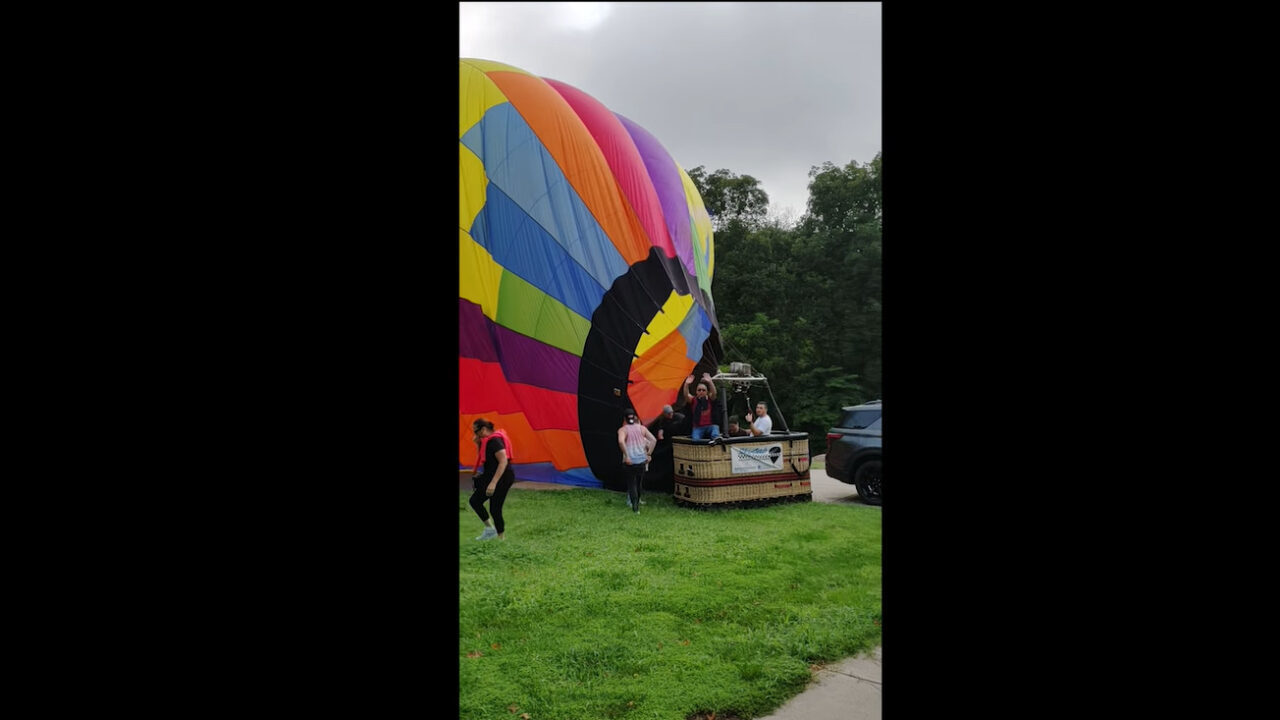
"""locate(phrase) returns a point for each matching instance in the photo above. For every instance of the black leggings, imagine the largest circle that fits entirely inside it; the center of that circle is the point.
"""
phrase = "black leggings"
(635, 483)
(478, 497)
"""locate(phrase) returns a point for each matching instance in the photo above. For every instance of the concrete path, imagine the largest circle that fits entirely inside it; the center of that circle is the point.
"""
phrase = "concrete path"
(848, 689)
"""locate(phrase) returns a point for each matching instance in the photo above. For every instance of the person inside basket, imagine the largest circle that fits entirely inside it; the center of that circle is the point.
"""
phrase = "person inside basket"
(735, 431)
(493, 476)
(636, 443)
(701, 408)
(761, 424)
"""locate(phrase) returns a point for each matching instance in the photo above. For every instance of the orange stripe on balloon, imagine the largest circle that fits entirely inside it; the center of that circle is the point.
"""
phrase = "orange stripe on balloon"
(665, 363)
(648, 400)
(624, 160)
(562, 448)
(483, 391)
(570, 144)
(652, 376)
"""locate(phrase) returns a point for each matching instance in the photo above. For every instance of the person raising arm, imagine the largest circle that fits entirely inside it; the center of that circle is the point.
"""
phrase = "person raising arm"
(701, 414)
(761, 424)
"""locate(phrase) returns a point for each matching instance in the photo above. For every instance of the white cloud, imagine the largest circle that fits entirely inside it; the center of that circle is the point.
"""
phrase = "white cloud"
(764, 89)
(582, 16)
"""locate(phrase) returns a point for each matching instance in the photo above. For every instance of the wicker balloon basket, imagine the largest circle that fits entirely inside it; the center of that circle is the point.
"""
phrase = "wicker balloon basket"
(741, 472)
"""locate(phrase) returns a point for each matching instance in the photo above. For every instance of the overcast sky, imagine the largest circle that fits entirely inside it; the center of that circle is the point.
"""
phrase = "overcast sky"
(761, 89)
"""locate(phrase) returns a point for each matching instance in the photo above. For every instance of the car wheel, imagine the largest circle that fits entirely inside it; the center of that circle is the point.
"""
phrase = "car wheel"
(867, 481)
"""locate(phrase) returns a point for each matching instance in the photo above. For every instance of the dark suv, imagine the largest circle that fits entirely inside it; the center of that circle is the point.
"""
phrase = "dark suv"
(853, 450)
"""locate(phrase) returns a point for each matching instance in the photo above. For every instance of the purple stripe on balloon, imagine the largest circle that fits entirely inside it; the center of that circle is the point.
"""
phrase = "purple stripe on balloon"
(529, 361)
(523, 359)
(670, 189)
(473, 333)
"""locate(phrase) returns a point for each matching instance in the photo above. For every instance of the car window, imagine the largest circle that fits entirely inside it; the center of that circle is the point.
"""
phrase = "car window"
(875, 425)
(860, 419)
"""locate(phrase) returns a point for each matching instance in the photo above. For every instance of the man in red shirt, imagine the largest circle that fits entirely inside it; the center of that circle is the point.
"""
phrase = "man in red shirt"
(701, 408)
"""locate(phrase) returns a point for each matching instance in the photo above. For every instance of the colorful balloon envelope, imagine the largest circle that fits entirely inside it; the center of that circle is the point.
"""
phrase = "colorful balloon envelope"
(584, 275)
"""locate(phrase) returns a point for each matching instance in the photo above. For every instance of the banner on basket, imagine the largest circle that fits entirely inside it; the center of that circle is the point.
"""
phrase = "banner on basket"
(746, 459)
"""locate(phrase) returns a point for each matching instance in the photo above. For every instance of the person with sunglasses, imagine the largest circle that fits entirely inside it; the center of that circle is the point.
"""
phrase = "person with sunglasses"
(702, 408)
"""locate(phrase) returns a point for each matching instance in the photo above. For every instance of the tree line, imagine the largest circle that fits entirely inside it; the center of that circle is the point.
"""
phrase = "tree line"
(801, 302)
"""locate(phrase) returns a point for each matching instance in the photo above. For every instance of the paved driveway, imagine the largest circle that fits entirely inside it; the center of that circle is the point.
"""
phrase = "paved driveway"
(830, 490)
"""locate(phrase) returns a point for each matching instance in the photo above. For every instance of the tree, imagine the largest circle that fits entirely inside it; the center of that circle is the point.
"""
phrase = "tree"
(842, 257)
(728, 197)
(846, 198)
(802, 304)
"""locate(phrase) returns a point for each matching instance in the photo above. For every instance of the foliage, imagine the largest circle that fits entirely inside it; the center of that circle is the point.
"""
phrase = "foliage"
(803, 304)
(730, 197)
(587, 610)
(846, 198)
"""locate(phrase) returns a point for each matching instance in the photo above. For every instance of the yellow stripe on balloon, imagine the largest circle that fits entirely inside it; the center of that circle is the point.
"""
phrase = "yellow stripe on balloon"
(476, 91)
(488, 66)
(479, 277)
(700, 229)
(674, 311)
(533, 312)
(472, 186)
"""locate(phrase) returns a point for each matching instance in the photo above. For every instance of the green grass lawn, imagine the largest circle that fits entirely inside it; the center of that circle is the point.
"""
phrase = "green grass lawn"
(589, 611)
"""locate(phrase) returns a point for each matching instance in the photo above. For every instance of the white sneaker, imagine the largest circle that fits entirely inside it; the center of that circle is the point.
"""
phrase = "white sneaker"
(488, 534)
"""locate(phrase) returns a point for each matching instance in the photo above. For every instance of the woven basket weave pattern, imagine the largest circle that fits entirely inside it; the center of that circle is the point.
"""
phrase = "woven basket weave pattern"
(738, 493)
(704, 474)
(713, 461)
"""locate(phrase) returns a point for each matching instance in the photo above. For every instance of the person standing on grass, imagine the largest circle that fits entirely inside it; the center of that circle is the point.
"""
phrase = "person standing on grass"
(761, 424)
(636, 443)
(662, 467)
(493, 476)
(666, 425)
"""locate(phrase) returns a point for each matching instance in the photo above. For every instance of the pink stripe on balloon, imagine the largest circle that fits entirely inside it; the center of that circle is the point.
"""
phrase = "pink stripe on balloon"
(624, 160)
(665, 176)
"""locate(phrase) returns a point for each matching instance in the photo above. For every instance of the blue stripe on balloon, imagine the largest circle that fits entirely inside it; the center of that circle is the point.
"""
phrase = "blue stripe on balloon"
(546, 472)
(695, 328)
(526, 250)
(540, 205)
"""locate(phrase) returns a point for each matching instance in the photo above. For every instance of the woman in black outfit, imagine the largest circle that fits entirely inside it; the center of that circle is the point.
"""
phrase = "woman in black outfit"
(495, 480)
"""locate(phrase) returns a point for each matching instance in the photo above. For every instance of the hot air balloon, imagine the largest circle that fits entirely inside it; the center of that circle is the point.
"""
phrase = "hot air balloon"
(584, 275)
